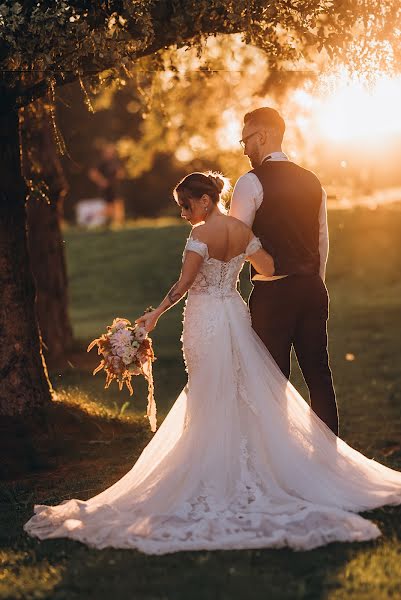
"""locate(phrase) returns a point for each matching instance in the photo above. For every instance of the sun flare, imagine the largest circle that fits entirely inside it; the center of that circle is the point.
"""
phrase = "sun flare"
(229, 133)
(356, 113)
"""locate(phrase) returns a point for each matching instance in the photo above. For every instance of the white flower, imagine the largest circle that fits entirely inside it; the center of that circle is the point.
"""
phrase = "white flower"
(128, 355)
(140, 333)
(118, 324)
(121, 339)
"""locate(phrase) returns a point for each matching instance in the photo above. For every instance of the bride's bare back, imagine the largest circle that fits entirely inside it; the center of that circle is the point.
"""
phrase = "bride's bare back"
(225, 236)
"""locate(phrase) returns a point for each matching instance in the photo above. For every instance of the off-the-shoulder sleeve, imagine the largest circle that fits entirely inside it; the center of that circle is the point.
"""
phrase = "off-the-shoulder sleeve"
(196, 246)
(253, 246)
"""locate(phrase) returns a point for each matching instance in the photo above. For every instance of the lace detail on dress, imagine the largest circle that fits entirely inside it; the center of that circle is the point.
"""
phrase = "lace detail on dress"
(248, 490)
(239, 384)
(249, 486)
(198, 325)
(253, 246)
(216, 277)
(196, 246)
(218, 280)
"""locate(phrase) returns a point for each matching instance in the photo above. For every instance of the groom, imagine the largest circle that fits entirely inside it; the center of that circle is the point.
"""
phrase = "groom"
(285, 205)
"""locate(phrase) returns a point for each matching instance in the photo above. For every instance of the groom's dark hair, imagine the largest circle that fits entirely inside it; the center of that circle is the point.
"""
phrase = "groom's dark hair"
(269, 118)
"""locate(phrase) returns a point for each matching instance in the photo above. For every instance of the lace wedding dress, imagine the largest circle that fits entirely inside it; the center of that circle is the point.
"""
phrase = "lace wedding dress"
(240, 461)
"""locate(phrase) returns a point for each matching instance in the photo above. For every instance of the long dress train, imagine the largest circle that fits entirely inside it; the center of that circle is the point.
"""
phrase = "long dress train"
(240, 461)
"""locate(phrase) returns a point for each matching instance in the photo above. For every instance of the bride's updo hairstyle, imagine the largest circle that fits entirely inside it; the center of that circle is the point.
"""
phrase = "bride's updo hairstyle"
(194, 185)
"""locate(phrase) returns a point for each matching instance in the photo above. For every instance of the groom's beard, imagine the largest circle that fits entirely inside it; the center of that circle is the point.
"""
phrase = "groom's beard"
(254, 158)
(254, 162)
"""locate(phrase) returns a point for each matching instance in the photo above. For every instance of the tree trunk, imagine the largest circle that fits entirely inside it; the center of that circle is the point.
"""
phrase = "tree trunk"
(46, 248)
(24, 384)
(49, 270)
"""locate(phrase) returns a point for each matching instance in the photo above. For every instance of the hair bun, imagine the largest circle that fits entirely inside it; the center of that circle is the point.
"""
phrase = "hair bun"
(217, 180)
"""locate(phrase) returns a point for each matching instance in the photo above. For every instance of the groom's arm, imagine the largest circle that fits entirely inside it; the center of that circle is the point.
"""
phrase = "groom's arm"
(323, 235)
(246, 198)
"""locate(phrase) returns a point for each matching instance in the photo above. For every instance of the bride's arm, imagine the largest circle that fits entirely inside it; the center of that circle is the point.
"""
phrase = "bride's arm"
(262, 262)
(191, 265)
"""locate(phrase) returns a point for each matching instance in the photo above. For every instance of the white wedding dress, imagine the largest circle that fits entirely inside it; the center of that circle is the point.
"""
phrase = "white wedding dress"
(240, 461)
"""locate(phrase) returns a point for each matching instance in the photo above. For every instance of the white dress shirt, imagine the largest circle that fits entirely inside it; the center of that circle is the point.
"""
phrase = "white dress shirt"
(248, 196)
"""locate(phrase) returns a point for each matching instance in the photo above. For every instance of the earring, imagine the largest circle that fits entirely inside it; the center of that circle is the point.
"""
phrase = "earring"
(206, 209)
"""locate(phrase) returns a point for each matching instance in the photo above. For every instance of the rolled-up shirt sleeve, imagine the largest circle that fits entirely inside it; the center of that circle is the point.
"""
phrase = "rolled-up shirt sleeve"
(244, 200)
(323, 235)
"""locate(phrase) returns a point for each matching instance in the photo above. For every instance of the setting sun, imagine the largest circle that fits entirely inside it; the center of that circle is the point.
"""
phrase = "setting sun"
(355, 112)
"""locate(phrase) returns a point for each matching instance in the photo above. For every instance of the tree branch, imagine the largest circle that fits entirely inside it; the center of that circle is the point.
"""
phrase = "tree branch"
(180, 31)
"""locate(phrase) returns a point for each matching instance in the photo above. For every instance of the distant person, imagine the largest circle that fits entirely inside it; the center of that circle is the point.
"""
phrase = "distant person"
(285, 205)
(107, 174)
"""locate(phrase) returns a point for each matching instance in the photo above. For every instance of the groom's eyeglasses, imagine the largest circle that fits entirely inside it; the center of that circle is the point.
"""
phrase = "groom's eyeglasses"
(244, 141)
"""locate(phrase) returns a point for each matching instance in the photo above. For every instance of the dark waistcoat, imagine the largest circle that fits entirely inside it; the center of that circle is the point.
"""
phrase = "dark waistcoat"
(287, 221)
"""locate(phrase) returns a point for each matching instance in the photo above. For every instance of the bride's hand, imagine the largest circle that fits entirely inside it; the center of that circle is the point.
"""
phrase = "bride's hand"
(148, 320)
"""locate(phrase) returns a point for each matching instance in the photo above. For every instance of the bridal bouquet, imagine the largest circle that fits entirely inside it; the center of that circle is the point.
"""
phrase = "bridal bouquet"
(127, 351)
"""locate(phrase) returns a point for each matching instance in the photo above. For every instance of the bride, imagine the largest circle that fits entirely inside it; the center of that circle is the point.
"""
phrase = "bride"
(241, 460)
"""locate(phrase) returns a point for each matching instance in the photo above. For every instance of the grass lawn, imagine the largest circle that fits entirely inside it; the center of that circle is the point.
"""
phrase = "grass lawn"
(119, 273)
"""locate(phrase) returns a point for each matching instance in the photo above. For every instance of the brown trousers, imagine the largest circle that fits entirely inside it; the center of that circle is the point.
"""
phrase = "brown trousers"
(293, 312)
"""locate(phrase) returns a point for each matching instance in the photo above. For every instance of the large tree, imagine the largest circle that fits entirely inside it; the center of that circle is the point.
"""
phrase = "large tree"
(46, 44)
(42, 168)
